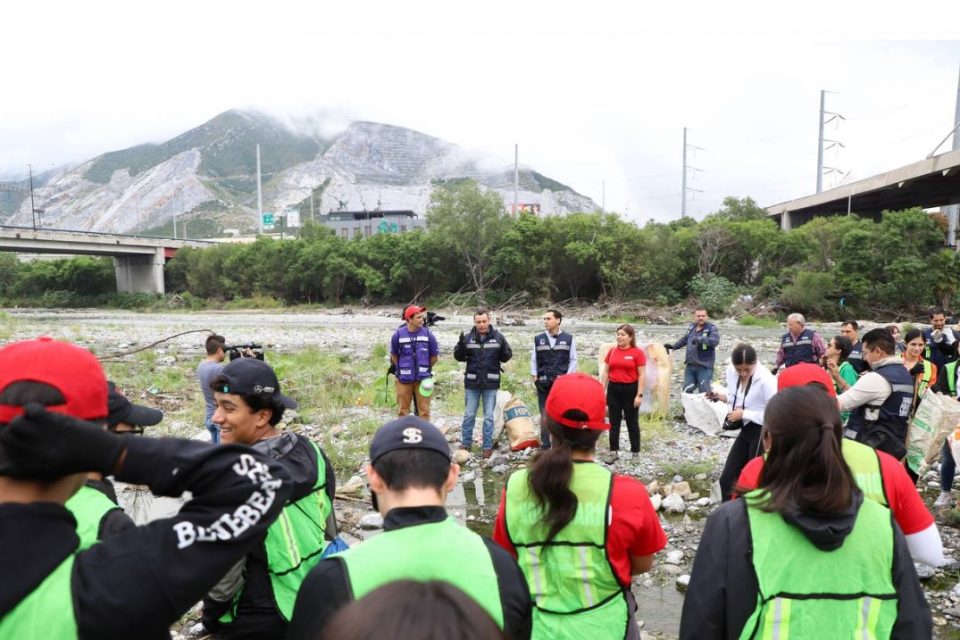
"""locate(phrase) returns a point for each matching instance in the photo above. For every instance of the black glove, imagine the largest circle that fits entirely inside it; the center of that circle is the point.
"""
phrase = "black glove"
(668, 346)
(41, 445)
(774, 369)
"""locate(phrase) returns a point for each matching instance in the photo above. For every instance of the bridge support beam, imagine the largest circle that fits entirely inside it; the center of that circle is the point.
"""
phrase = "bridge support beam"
(786, 224)
(140, 273)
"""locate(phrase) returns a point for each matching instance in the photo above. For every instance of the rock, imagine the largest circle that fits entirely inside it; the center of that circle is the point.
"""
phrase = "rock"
(653, 488)
(693, 497)
(336, 431)
(681, 488)
(655, 500)
(924, 572)
(166, 361)
(501, 468)
(460, 456)
(674, 556)
(704, 502)
(469, 476)
(608, 457)
(678, 478)
(682, 583)
(353, 486)
(956, 590)
(953, 612)
(700, 476)
(671, 569)
(647, 583)
(371, 521)
(673, 503)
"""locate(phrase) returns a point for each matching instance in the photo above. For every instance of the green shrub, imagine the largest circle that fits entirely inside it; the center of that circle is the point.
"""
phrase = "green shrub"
(812, 293)
(716, 293)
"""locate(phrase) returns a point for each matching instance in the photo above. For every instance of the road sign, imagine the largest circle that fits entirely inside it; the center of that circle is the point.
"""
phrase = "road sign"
(268, 219)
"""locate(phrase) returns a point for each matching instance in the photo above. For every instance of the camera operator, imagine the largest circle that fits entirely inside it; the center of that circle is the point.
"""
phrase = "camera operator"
(208, 369)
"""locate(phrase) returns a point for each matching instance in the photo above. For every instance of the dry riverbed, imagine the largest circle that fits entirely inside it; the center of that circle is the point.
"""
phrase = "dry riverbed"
(334, 362)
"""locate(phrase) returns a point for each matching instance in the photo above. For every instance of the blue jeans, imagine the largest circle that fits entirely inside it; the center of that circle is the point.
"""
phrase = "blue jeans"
(697, 379)
(948, 467)
(214, 430)
(473, 396)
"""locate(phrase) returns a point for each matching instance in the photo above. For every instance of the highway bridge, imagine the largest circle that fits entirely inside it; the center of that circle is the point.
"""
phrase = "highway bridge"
(138, 260)
(932, 182)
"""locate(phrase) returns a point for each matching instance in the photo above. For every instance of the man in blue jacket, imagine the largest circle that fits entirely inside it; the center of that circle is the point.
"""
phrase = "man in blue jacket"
(483, 349)
(701, 340)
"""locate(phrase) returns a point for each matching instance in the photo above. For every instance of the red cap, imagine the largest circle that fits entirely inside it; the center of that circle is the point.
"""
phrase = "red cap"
(578, 391)
(805, 373)
(412, 310)
(72, 370)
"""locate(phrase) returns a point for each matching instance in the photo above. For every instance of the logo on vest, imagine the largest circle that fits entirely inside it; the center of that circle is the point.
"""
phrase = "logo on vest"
(412, 435)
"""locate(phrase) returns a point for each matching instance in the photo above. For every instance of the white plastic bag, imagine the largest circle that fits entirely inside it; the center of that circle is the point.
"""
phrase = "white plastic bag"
(936, 416)
(704, 414)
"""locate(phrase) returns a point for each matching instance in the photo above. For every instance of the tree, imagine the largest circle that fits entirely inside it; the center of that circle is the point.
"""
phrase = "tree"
(469, 222)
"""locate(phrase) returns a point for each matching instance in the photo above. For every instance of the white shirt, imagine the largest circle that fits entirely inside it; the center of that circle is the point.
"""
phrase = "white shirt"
(571, 368)
(763, 386)
(870, 388)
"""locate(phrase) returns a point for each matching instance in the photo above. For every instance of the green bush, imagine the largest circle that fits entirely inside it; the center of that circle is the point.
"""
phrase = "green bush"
(812, 293)
(716, 293)
(753, 321)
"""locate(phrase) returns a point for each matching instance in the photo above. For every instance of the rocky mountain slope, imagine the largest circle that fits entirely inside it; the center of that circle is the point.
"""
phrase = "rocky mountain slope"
(208, 174)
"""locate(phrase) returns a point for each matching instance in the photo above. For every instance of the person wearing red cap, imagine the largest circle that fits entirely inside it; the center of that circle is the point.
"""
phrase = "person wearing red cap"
(413, 352)
(880, 476)
(137, 584)
(578, 532)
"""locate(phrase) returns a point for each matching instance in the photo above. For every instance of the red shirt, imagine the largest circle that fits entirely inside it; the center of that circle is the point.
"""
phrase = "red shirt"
(623, 364)
(634, 528)
(902, 496)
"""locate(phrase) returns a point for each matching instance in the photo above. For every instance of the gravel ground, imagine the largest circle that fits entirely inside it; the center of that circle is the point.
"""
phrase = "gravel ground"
(673, 453)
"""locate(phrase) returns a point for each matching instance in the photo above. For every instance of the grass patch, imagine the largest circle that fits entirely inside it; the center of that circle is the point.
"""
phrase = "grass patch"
(753, 321)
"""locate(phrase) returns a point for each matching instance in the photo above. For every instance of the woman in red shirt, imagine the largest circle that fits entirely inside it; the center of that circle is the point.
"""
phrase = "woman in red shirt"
(623, 381)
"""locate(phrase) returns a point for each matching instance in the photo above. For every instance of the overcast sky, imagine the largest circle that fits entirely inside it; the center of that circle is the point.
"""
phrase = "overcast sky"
(594, 93)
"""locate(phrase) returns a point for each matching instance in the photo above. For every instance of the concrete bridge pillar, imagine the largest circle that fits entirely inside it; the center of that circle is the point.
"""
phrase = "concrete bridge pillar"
(786, 224)
(140, 273)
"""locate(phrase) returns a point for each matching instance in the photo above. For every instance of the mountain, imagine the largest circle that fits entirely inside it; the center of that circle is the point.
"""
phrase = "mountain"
(206, 178)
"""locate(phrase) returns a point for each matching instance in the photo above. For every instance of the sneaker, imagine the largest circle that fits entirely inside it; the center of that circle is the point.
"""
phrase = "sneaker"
(943, 500)
(487, 453)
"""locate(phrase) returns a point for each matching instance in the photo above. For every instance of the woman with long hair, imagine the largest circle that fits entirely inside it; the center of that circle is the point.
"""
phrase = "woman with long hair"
(752, 387)
(923, 371)
(578, 532)
(841, 372)
(803, 555)
(623, 381)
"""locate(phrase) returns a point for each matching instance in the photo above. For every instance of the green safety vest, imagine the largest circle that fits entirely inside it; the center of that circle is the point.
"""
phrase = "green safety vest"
(294, 544)
(89, 507)
(443, 551)
(925, 377)
(575, 591)
(951, 373)
(864, 463)
(47, 612)
(804, 592)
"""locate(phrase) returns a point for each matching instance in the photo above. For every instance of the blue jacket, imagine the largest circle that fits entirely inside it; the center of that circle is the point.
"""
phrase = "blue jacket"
(701, 345)
(483, 355)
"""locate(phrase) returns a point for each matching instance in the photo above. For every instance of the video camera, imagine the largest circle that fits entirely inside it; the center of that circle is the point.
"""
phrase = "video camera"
(252, 350)
(433, 318)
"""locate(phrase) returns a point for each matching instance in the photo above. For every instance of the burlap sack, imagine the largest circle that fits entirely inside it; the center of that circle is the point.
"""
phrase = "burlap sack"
(519, 425)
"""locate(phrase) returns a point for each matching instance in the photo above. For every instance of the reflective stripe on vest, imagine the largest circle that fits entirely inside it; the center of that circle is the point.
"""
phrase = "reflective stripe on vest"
(575, 591)
(47, 611)
(295, 542)
(435, 551)
(89, 507)
(804, 592)
(894, 412)
(925, 378)
(865, 465)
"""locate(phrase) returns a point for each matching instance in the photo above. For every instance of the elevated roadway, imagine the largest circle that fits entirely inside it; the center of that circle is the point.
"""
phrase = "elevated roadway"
(137, 260)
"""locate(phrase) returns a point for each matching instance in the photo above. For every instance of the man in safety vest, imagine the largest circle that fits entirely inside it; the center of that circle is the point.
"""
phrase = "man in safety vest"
(95, 505)
(133, 585)
(410, 474)
(880, 400)
(850, 330)
(799, 344)
(413, 352)
(255, 598)
(554, 354)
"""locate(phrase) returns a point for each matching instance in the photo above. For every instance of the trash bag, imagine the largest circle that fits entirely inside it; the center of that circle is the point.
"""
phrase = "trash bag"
(656, 375)
(703, 414)
(936, 416)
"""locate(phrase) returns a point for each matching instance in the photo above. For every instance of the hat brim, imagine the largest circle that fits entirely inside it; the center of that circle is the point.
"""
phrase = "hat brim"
(141, 416)
(287, 402)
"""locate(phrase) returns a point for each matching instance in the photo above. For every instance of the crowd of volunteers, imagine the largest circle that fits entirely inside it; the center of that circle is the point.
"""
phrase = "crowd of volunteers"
(819, 529)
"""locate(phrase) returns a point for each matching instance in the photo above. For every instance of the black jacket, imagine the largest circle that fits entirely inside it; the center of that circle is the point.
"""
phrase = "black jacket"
(483, 355)
(723, 585)
(257, 615)
(327, 588)
(139, 582)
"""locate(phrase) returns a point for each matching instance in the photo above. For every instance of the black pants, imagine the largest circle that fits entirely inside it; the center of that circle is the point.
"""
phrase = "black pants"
(620, 397)
(745, 448)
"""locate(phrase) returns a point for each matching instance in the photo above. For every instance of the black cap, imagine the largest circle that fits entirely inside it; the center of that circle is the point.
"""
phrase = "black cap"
(247, 376)
(408, 432)
(122, 410)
